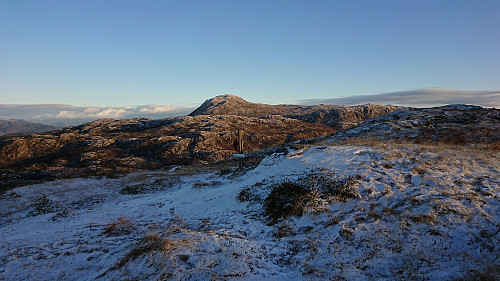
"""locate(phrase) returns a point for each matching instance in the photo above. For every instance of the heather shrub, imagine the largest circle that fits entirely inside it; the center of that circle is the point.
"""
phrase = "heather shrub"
(490, 272)
(287, 199)
(43, 205)
(157, 185)
(332, 186)
(225, 171)
(133, 190)
(293, 198)
(248, 194)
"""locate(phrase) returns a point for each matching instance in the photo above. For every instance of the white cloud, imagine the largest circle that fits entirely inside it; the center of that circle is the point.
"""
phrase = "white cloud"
(157, 108)
(419, 98)
(64, 115)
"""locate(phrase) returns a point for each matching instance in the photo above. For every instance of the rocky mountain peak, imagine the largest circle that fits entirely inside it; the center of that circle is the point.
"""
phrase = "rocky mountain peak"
(226, 98)
(221, 105)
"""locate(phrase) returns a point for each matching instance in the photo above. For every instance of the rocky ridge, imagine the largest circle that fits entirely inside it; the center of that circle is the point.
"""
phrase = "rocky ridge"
(338, 117)
(451, 124)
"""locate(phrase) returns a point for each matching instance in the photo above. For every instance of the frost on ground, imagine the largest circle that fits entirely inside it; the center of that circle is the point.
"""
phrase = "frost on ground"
(413, 212)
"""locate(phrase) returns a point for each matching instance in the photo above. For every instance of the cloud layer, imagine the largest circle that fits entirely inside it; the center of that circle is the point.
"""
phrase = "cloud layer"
(66, 115)
(419, 98)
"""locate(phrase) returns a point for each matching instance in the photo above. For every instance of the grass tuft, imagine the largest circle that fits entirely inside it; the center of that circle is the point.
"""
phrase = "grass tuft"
(122, 226)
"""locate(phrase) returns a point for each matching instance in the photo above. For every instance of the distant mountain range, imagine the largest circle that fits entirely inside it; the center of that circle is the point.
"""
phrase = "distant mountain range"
(22, 127)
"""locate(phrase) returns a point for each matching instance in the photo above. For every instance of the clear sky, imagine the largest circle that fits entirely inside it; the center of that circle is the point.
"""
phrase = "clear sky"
(121, 53)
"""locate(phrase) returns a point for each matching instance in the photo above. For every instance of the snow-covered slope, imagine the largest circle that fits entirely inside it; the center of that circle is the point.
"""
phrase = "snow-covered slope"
(420, 213)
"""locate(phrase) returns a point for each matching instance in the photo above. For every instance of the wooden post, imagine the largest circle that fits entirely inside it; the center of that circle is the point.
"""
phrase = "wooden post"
(240, 141)
(240, 148)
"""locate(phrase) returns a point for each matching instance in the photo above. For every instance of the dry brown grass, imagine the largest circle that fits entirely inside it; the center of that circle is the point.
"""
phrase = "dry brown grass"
(429, 218)
(419, 170)
(155, 242)
(388, 211)
(387, 143)
(370, 141)
(122, 226)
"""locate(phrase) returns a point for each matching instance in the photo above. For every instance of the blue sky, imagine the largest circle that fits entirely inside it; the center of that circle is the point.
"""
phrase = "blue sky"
(125, 53)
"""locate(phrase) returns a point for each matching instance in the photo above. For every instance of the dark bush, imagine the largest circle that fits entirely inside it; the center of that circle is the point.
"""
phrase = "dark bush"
(298, 146)
(43, 206)
(248, 194)
(157, 185)
(490, 272)
(60, 215)
(279, 150)
(287, 199)
(225, 172)
(291, 198)
(202, 184)
(133, 190)
(341, 189)
(332, 186)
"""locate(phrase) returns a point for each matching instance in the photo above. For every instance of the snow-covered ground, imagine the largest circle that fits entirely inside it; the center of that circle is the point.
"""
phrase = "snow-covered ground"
(422, 213)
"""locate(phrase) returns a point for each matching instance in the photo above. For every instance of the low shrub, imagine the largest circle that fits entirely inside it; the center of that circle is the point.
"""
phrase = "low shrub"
(248, 194)
(60, 215)
(133, 190)
(283, 230)
(202, 184)
(491, 272)
(333, 187)
(43, 206)
(429, 218)
(225, 171)
(87, 202)
(287, 199)
(298, 146)
(157, 185)
(293, 198)
(280, 150)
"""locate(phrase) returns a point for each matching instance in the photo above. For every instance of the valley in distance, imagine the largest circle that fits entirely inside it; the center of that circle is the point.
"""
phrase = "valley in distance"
(327, 192)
